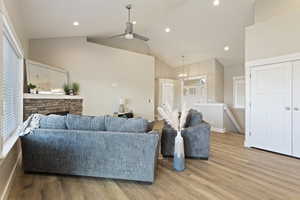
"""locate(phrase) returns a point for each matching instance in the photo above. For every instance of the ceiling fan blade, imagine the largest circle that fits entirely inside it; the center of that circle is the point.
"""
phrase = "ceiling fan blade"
(140, 37)
(117, 36)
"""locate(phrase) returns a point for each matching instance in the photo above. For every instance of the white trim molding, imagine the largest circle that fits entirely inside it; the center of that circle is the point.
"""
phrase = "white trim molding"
(274, 60)
(11, 179)
(218, 130)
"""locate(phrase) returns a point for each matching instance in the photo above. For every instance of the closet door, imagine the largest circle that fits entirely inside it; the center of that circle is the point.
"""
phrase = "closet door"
(296, 113)
(271, 102)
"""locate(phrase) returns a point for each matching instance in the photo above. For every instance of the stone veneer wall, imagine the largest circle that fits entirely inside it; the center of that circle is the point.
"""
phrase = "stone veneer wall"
(47, 106)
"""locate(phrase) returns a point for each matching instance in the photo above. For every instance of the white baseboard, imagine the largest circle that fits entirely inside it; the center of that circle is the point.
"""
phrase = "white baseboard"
(218, 130)
(10, 179)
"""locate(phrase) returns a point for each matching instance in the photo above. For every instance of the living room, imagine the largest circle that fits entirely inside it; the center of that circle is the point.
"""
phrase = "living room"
(175, 99)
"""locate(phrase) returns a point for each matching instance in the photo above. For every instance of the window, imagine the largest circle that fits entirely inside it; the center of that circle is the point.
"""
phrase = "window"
(239, 92)
(11, 91)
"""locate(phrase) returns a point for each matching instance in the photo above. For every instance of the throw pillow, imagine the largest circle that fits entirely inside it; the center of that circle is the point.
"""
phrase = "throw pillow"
(87, 123)
(134, 125)
(53, 122)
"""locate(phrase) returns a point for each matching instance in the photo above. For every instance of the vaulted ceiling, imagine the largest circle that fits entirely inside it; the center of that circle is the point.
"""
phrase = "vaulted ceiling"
(199, 30)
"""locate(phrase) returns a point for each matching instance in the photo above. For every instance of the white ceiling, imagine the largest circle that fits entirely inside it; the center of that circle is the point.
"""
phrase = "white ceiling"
(199, 30)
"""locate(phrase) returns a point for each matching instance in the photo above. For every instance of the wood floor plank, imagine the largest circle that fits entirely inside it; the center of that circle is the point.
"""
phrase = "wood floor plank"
(232, 173)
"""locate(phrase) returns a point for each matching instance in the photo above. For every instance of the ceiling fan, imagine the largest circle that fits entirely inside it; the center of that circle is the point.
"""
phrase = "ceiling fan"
(129, 34)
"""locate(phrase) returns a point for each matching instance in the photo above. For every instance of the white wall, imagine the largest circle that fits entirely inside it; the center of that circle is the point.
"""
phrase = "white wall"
(229, 73)
(12, 11)
(266, 9)
(105, 74)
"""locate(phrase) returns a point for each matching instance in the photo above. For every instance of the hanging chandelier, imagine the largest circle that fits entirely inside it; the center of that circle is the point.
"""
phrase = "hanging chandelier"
(182, 75)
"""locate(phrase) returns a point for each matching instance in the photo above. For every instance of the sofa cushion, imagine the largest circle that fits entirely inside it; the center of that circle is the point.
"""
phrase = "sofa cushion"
(193, 118)
(87, 123)
(53, 122)
(134, 125)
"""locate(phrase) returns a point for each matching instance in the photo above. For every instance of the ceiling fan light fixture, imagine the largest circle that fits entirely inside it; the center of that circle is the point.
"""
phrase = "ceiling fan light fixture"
(129, 33)
(129, 36)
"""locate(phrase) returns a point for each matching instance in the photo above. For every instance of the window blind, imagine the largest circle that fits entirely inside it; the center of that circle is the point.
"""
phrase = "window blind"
(12, 89)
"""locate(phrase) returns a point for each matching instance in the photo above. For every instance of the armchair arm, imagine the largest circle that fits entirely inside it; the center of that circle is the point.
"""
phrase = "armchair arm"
(197, 140)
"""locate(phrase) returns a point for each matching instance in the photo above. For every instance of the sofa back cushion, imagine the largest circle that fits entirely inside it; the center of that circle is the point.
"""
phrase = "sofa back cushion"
(193, 118)
(134, 125)
(87, 123)
(53, 122)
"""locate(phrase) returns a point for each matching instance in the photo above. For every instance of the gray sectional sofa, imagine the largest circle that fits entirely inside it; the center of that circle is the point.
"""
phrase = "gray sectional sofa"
(105, 147)
(196, 137)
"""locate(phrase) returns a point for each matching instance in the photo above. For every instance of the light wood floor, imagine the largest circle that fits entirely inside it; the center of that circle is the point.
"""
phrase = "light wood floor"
(232, 172)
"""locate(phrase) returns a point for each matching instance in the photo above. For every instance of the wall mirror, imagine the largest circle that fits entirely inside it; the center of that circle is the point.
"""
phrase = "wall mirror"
(48, 79)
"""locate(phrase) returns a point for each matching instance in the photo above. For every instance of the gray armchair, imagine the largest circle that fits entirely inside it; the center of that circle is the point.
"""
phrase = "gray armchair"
(196, 137)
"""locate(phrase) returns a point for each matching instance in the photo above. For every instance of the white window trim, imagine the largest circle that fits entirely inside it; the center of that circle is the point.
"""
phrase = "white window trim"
(237, 78)
(9, 32)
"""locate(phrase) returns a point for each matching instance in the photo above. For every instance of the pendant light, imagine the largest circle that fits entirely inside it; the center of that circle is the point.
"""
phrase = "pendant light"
(182, 75)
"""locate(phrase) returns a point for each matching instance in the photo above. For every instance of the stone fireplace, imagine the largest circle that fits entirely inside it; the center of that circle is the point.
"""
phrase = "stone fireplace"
(51, 104)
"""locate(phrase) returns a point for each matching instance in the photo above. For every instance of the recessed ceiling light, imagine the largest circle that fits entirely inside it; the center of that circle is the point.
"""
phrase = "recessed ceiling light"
(216, 2)
(167, 29)
(75, 23)
(226, 48)
(134, 22)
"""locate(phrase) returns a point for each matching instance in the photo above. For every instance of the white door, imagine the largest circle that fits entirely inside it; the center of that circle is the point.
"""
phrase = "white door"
(271, 102)
(167, 92)
(296, 112)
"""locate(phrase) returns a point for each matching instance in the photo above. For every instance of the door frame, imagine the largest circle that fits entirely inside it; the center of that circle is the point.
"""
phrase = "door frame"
(268, 146)
(161, 82)
(253, 64)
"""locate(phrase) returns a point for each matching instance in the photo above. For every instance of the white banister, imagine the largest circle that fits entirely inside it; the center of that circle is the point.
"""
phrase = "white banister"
(232, 118)
(216, 114)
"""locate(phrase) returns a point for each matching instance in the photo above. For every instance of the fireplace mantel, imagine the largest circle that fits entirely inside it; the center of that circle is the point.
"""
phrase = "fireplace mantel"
(50, 96)
(49, 104)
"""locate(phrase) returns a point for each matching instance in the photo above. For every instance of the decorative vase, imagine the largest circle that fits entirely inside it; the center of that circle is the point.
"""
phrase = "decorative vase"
(179, 160)
(33, 91)
(121, 108)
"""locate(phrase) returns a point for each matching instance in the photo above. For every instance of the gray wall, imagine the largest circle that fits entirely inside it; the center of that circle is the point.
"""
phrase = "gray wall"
(219, 82)
(278, 34)
(162, 71)
(133, 45)
(229, 73)
(214, 73)
(266, 9)
(13, 10)
(105, 74)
